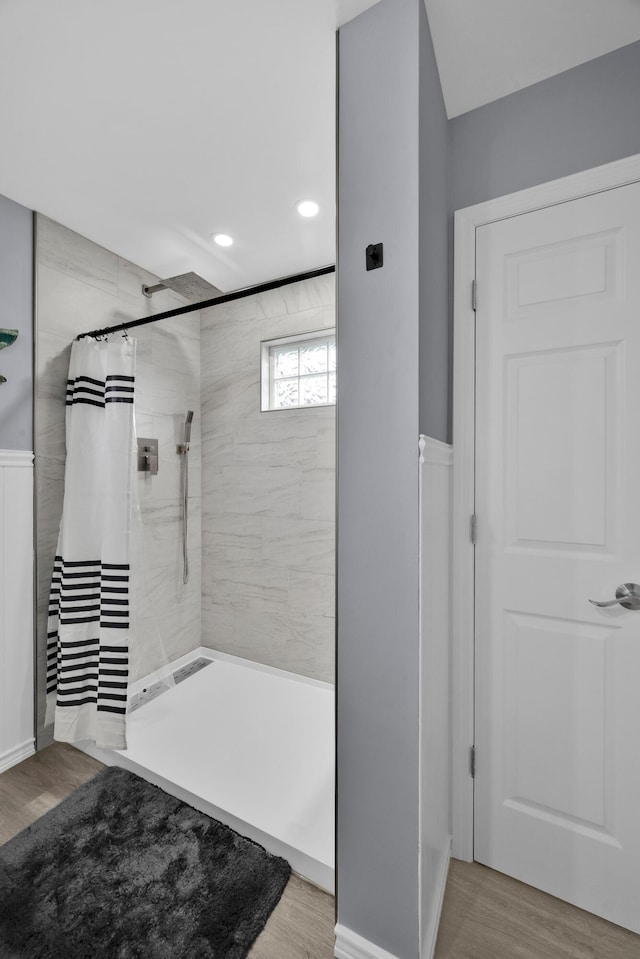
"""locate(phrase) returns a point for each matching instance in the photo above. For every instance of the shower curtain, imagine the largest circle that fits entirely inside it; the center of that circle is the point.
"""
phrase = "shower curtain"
(89, 615)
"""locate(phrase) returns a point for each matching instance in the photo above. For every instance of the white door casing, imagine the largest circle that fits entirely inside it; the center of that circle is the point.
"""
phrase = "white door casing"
(467, 221)
(557, 469)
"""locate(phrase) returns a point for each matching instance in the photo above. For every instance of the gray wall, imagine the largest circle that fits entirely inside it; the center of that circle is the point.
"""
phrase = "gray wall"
(579, 119)
(434, 245)
(16, 313)
(268, 491)
(378, 319)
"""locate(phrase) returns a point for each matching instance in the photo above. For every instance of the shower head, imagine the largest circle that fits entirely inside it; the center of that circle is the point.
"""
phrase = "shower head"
(187, 426)
(189, 285)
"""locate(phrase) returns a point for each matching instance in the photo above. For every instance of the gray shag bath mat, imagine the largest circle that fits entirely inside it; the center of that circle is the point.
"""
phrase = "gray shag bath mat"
(121, 870)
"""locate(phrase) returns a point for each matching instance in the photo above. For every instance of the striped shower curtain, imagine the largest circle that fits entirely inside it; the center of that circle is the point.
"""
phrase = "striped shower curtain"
(88, 624)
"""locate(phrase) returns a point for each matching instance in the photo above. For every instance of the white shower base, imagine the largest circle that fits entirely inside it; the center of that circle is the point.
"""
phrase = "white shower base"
(249, 745)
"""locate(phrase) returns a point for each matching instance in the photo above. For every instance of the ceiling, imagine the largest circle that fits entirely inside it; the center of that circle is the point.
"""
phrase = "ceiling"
(487, 49)
(148, 125)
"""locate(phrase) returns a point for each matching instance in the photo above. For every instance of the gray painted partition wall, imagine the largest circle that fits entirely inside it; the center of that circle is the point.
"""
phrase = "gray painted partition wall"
(434, 244)
(582, 118)
(579, 119)
(16, 312)
(384, 198)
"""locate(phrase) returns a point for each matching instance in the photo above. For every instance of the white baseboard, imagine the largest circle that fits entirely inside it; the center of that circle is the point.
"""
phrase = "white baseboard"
(349, 945)
(430, 935)
(16, 755)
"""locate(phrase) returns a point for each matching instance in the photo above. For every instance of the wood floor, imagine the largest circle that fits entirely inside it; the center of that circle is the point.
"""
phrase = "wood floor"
(301, 925)
(485, 915)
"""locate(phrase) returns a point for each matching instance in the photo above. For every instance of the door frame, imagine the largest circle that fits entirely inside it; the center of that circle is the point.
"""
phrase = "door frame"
(466, 221)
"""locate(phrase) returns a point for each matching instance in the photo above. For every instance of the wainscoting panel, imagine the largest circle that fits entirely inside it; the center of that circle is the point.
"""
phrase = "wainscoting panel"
(16, 607)
(436, 474)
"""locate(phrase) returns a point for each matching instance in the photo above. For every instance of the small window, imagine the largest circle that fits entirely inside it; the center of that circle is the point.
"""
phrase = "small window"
(299, 371)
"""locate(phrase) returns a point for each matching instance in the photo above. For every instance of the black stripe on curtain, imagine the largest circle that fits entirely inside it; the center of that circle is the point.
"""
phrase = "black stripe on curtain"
(115, 389)
(85, 670)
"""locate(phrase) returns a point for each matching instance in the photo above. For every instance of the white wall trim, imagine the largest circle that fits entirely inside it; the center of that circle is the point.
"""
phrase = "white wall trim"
(436, 459)
(11, 757)
(607, 177)
(430, 936)
(435, 451)
(16, 607)
(16, 458)
(349, 945)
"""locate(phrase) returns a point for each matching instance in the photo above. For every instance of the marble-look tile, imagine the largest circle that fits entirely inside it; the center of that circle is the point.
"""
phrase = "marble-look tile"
(172, 350)
(245, 308)
(320, 291)
(166, 392)
(276, 637)
(282, 438)
(131, 278)
(309, 321)
(326, 439)
(67, 306)
(213, 488)
(319, 494)
(286, 299)
(185, 325)
(268, 580)
(227, 547)
(73, 255)
(52, 366)
(299, 544)
(251, 602)
(218, 623)
(217, 447)
(50, 428)
(236, 396)
(262, 490)
(162, 527)
(312, 593)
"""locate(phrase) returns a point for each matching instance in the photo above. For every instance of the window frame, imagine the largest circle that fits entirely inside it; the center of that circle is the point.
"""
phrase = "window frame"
(266, 369)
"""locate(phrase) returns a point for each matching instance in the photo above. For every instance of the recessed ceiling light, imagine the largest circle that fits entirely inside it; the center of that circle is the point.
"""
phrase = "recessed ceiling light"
(308, 208)
(222, 239)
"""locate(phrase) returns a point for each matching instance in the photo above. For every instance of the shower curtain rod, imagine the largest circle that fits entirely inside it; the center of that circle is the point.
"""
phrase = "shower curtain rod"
(215, 301)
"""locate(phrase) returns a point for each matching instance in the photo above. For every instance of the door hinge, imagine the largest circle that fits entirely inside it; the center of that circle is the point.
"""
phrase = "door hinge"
(474, 301)
(473, 528)
(472, 762)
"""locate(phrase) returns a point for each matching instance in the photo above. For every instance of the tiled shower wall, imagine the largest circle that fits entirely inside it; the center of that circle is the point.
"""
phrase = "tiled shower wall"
(81, 286)
(268, 579)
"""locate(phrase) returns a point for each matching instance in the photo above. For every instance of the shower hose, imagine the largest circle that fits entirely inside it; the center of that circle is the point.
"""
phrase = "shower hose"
(185, 514)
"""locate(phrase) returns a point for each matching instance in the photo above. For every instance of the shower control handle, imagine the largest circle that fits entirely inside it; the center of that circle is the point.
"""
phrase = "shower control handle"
(147, 455)
(627, 595)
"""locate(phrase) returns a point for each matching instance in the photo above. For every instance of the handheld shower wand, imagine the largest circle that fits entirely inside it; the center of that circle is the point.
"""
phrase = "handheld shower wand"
(183, 450)
(184, 446)
(187, 427)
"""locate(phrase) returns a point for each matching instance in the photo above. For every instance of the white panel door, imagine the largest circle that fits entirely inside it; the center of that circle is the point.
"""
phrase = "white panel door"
(557, 790)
